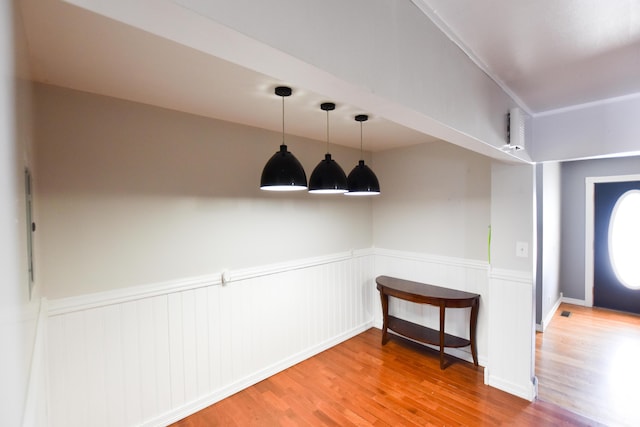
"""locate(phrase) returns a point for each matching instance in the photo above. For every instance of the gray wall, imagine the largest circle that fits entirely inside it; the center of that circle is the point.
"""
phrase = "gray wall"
(573, 215)
(512, 213)
(548, 209)
(436, 199)
(131, 194)
(539, 241)
(601, 129)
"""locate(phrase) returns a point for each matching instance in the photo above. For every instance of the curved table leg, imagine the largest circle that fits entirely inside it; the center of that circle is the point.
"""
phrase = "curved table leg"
(472, 330)
(442, 311)
(384, 298)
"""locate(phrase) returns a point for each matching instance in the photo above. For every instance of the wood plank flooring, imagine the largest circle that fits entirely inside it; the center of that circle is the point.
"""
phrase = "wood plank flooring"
(362, 383)
(589, 363)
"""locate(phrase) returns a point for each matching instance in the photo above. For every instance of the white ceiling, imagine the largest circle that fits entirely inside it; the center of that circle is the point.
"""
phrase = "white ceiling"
(547, 54)
(74, 48)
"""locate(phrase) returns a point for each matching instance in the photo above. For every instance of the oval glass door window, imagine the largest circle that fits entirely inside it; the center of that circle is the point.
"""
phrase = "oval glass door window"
(624, 239)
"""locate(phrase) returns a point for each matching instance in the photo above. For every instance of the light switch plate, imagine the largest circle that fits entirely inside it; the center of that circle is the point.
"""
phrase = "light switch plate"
(522, 249)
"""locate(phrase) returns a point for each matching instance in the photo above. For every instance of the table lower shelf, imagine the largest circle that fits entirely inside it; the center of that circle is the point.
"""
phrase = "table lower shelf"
(424, 334)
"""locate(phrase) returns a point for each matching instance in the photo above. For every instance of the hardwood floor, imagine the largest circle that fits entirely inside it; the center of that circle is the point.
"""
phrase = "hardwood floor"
(589, 363)
(361, 383)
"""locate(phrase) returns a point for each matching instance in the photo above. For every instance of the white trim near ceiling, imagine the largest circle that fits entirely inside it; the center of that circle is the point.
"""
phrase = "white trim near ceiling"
(589, 223)
(447, 31)
(592, 104)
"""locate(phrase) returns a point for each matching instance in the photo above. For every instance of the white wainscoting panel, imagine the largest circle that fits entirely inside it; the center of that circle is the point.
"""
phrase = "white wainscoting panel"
(454, 273)
(151, 356)
(511, 340)
(35, 409)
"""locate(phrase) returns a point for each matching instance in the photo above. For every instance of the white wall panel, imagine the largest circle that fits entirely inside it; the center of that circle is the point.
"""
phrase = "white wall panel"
(95, 355)
(56, 368)
(215, 342)
(130, 335)
(460, 274)
(176, 349)
(153, 359)
(148, 353)
(76, 368)
(35, 411)
(188, 335)
(114, 367)
(161, 352)
(511, 322)
(201, 341)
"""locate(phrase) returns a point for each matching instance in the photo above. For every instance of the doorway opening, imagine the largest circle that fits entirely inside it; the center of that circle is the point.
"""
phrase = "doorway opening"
(597, 242)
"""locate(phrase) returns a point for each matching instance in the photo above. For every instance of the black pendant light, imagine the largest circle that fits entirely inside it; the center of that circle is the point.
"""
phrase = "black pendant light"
(328, 177)
(283, 172)
(362, 181)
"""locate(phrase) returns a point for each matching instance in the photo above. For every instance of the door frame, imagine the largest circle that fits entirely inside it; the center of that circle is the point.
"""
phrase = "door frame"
(590, 185)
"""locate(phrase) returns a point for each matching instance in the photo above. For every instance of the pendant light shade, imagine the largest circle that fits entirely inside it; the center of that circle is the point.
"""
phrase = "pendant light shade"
(362, 181)
(283, 172)
(328, 177)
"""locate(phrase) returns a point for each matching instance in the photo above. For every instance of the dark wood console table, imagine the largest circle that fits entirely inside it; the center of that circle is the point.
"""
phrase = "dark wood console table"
(422, 293)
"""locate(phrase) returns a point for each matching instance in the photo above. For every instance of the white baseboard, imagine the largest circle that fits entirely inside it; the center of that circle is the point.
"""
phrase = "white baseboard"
(574, 301)
(528, 392)
(547, 319)
(201, 403)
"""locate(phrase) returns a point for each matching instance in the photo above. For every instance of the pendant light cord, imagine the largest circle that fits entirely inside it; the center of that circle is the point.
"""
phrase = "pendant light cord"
(361, 118)
(361, 156)
(283, 120)
(327, 131)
